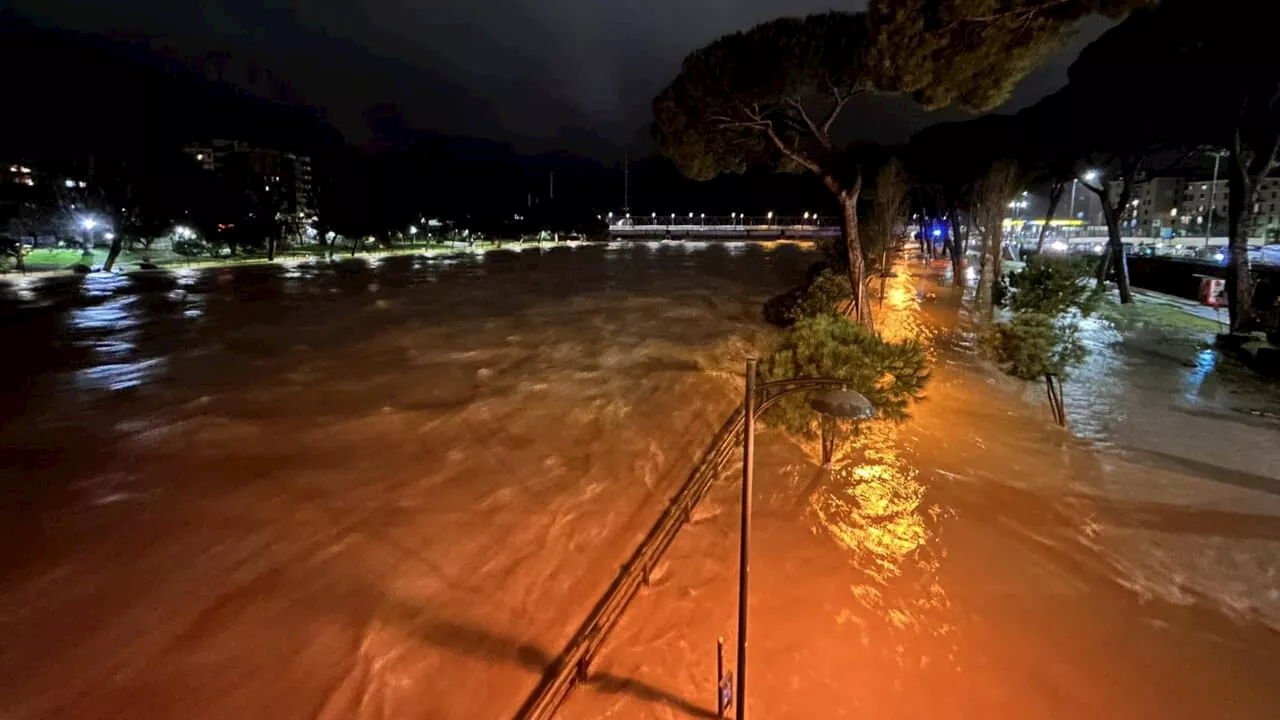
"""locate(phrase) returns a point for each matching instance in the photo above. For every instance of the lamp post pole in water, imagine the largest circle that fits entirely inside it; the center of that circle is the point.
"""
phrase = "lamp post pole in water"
(842, 403)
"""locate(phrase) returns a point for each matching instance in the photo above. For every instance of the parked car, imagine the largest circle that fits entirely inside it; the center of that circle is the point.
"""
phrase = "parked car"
(1266, 255)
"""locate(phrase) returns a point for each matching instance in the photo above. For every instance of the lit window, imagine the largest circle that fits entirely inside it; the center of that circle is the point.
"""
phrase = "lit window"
(1204, 186)
(199, 156)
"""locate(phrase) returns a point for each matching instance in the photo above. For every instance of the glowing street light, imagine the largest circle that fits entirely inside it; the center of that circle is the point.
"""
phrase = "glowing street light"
(1089, 176)
(88, 223)
(413, 229)
(109, 236)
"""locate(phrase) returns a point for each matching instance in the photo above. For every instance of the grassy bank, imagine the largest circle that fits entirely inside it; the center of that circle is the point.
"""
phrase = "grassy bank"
(62, 260)
(1145, 314)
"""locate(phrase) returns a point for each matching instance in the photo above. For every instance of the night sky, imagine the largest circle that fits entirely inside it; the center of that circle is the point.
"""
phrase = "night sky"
(576, 75)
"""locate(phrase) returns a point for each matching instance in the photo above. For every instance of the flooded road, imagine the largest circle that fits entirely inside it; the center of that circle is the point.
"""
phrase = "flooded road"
(393, 489)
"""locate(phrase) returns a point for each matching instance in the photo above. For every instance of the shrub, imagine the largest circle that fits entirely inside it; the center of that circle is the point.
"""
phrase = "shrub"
(822, 295)
(1050, 285)
(890, 375)
(1034, 345)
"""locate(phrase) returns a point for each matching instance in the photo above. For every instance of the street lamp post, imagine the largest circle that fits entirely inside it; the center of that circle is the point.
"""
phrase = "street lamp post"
(88, 224)
(1213, 190)
(839, 403)
(1091, 175)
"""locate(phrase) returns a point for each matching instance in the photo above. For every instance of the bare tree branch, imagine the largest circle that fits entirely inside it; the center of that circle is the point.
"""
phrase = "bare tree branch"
(835, 112)
(817, 133)
(802, 160)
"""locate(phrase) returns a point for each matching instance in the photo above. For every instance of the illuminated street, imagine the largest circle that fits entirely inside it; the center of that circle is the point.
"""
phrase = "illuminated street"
(393, 489)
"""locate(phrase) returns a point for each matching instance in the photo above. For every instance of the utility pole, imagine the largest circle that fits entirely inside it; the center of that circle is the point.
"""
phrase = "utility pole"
(626, 182)
(552, 189)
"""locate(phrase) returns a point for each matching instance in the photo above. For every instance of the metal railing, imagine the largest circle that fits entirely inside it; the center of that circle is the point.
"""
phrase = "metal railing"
(572, 666)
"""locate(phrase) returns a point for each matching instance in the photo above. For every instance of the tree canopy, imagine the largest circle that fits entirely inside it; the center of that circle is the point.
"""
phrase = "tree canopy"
(971, 53)
(767, 95)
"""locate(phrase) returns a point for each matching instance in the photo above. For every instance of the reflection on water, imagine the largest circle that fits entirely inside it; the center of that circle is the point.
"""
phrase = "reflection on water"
(874, 505)
(1206, 361)
(1094, 391)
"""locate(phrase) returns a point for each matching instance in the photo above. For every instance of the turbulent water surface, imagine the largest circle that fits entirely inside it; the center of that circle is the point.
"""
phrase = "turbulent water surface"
(393, 488)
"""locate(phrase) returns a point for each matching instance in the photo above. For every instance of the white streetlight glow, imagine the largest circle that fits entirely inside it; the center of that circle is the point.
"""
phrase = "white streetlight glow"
(769, 215)
(109, 236)
(1091, 175)
(413, 229)
(88, 223)
(70, 183)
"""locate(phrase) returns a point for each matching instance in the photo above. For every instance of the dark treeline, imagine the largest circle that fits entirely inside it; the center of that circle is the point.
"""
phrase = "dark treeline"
(118, 110)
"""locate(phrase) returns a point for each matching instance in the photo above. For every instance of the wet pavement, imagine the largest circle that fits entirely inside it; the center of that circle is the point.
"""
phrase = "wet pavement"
(393, 489)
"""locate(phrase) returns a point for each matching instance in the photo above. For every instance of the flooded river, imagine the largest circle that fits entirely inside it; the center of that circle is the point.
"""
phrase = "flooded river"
(393, 488)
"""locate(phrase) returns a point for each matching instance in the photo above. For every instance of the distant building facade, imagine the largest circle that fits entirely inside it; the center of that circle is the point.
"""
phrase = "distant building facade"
(286, 175)
(1184, 208)
(17, 174)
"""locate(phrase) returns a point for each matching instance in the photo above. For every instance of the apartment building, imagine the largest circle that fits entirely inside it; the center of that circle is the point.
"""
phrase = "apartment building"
(1181, 207)
(286, 175)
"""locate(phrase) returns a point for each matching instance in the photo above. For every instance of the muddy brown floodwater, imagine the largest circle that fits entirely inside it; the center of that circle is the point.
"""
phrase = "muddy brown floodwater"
(392, 489)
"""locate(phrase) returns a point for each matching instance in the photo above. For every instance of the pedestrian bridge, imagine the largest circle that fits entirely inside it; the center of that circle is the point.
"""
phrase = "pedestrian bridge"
(729, 231)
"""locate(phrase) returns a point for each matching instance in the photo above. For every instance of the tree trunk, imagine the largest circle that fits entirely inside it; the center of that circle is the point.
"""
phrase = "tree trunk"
(957, 247)
(1056, 191)
(271, 248)
(1239, 210)
(987, 268)
(1057, 404)
(853, 252)
(829, 434)
(1114, 256)
(117, 244)
(355, 244)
